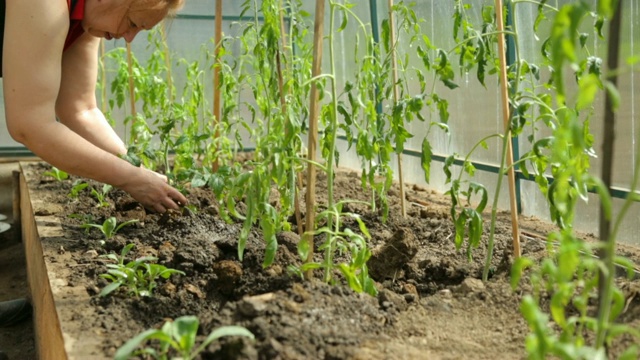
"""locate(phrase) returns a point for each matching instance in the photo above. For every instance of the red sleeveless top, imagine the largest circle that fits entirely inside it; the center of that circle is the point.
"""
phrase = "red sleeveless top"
(76, 14)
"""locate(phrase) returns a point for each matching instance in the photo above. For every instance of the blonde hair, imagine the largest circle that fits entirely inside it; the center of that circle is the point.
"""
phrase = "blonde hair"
(172, 6)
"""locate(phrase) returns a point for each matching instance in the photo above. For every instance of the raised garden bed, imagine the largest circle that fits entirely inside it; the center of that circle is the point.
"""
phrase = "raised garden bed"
(431, 304)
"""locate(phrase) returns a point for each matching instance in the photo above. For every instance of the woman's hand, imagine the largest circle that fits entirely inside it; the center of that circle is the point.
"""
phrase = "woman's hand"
(153, 192)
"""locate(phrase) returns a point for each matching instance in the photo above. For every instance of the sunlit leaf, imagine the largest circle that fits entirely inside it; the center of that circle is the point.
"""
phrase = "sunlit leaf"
(425, 159)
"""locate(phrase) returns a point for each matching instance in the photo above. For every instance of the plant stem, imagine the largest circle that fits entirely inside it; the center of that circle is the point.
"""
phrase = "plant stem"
(333, 128)
(216, 79)
(494, 206)
(280, 58)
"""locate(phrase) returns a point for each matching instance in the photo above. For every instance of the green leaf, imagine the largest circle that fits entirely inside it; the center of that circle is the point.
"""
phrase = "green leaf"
(598, 26)
(271, 246)
(352, 279)
(474, 188)
(443, 108)
(540, 16)
(425, 159)
(198, 180)
(448, 162)
(519, 265)
(627, 264)
(184, 331)
(343, 23)
(362, 226)
(110, 288)
(231, 330)
(475, 229)
(460, 226)
(386, 37)
(304, 247)
(613, 94)
(311, 266)
(589, 86)
(606, 8)
(125, 351)
(606, 202)
(617, 303)
(632, 353)
(583, 39)
(558, 302)
(450, 84)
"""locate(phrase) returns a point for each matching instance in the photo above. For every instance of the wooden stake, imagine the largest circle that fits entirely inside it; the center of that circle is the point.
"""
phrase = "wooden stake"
(217, 114)
(504, 92)
(132, 87)
(396, 96)
(310, 219)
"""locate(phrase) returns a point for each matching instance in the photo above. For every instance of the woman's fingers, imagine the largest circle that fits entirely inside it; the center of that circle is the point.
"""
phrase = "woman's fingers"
(159, 208)
(154, 192)
(177, 198)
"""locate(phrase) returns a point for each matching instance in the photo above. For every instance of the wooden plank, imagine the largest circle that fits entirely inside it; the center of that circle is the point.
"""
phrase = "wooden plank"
(61, 308)
(48, 335)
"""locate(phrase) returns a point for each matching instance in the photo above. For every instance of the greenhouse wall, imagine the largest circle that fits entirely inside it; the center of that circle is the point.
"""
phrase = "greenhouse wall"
(475, 110)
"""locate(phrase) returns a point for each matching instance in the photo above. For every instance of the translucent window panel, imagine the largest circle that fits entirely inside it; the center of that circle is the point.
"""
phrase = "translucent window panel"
(474, 110)
(625, 148)
(5, 139)
(530, 50)
(208, 7)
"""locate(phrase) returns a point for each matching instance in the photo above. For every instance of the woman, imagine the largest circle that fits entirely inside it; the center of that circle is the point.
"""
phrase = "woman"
(50, 67)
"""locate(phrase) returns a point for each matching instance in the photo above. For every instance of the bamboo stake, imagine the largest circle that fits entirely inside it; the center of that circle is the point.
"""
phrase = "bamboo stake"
(504, 92)
(310, 218)
(396, 96)
(216, 77)
(132, 87)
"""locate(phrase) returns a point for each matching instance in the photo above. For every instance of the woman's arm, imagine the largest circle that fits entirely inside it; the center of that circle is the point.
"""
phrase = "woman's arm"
(76, 104)
(35, 31)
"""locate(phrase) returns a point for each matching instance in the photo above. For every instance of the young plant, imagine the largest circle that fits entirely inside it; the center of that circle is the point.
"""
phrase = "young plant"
(85, 220)
(109, 227)
(138, 276)
(467, 218)
(347, 243)
(573, 277)
(177, 340)
(101, 196)
(57, 174)
(77, 188)
(572, 274)
(275, 111)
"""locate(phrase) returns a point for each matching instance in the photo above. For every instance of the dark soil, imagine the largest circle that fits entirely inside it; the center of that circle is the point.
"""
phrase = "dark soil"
(431, 303)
